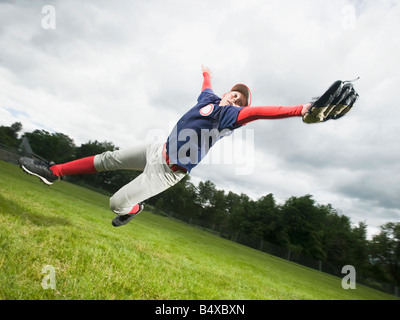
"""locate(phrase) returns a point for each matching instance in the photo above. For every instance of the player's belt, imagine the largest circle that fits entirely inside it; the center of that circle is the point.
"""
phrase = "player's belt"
(173, 167)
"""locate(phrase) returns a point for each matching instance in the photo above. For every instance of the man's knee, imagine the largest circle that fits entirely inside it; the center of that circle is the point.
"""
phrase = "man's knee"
(115, 206)
(106, 161)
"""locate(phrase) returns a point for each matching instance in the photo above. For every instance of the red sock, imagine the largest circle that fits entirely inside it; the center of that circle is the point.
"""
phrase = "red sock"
(135, 209)
(81, 166)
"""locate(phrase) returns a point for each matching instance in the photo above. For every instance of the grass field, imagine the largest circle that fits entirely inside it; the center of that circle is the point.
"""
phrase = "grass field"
(153, 257)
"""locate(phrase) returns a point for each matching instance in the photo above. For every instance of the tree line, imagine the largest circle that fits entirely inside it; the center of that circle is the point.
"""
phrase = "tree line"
(299, 224)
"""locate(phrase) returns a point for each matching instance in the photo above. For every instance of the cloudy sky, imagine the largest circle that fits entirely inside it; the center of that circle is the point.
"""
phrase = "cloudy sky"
(125, 71)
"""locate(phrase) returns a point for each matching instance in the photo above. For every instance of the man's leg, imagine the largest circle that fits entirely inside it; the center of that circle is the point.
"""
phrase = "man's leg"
(132, 158)
(38, 168)
(156, 178)
(80, 166)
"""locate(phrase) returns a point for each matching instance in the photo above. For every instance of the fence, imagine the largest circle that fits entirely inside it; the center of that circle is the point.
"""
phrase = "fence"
(12, 155)
(9, 155)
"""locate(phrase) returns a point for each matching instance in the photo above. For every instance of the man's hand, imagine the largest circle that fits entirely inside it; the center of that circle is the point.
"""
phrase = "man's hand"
(206, 69)
(305, 108)
(334, 103)
(207, 78)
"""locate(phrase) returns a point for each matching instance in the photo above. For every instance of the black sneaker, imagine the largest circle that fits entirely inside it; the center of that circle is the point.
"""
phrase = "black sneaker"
(38, 168)
(123, 219)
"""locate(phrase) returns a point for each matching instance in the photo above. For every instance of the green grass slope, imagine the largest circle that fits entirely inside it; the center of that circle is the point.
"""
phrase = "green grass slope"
(153, 257)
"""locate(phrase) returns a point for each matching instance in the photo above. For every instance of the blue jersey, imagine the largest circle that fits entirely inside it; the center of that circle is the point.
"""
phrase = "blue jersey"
(199, 129)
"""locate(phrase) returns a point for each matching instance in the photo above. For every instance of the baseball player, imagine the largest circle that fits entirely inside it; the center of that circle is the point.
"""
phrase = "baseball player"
(165, 164)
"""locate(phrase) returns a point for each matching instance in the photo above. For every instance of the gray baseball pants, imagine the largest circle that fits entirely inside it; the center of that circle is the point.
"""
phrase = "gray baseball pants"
(156, 177)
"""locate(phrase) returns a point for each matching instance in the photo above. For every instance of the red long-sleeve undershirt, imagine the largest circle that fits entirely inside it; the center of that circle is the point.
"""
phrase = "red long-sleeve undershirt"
(249, 114)
(206, 81)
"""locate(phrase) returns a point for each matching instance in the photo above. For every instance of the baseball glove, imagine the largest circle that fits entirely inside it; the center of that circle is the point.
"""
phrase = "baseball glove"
(333, 104)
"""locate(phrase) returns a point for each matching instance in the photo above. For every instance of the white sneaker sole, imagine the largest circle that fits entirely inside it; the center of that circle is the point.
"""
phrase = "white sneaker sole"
(44, 180)
(115, 222)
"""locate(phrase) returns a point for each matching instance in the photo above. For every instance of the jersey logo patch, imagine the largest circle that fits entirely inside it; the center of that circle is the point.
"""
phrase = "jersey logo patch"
(207, 110)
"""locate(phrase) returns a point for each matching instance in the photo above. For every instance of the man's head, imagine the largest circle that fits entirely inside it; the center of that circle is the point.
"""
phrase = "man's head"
(238, 96)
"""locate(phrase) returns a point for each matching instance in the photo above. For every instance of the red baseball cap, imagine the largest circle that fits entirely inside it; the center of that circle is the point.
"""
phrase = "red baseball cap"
(245, 91)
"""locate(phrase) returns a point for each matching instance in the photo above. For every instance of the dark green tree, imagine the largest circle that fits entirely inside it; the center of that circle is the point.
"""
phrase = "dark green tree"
(9, 135)
(179, 199)
(218, 212)
(241, 207)
(109, 181)
(385, 253)
(359, 248)
(56, 147)
(266, 218)
(302, 222)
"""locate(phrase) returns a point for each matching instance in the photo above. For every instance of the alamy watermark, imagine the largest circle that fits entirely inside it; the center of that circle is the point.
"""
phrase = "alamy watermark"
(349, 280)
(49, 18)
(190, 147)
(49, 280)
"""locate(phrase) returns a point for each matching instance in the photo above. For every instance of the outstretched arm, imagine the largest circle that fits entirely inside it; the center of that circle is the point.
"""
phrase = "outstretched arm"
(249, 114)
(207, 78)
